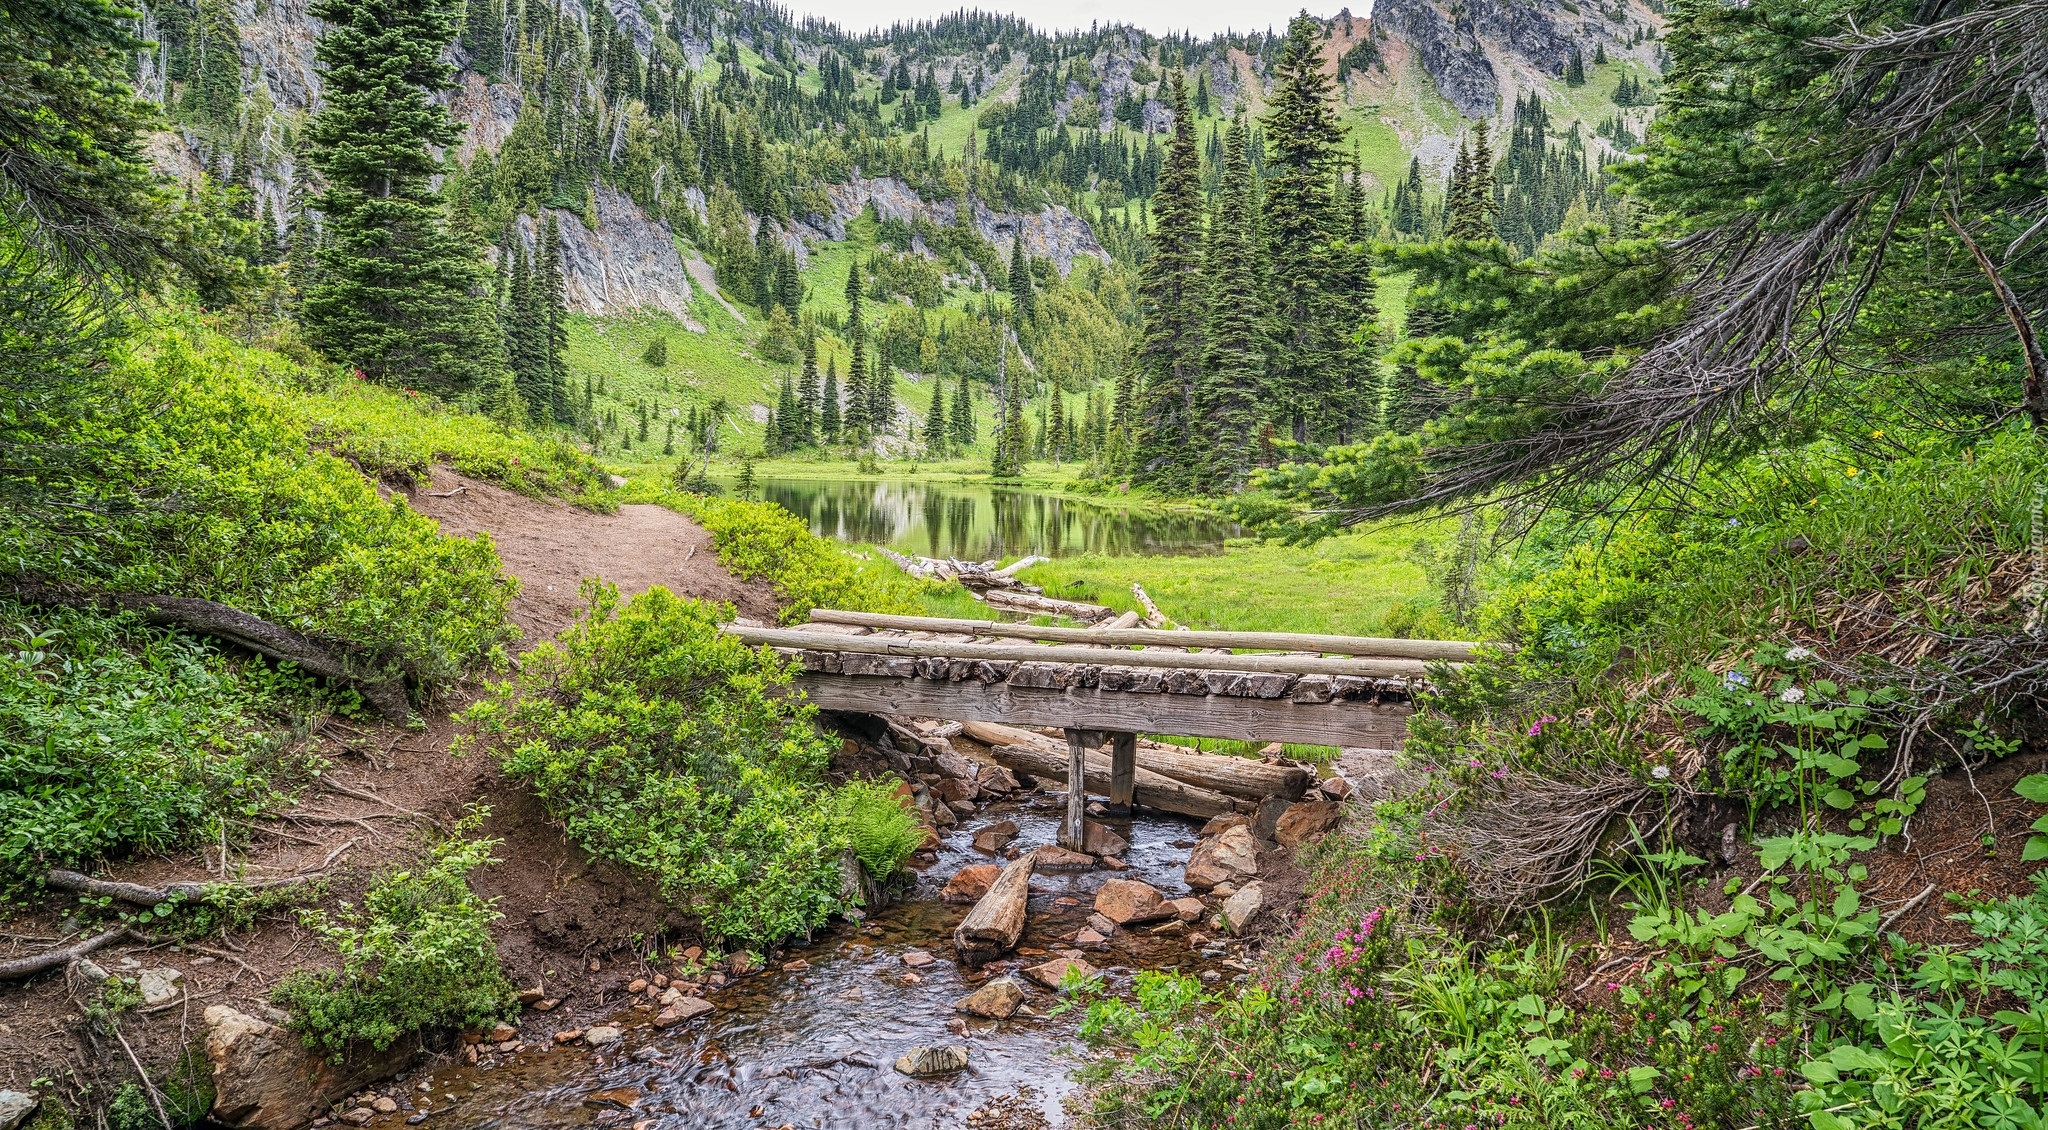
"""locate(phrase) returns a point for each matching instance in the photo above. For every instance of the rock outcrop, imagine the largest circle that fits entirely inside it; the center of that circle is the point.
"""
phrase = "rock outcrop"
(1053, 232)
(264, 1078)
(627, 262)
(1449, 51)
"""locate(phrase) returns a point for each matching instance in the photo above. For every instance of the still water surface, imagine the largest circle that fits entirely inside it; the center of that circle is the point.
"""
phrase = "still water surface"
(976, 521)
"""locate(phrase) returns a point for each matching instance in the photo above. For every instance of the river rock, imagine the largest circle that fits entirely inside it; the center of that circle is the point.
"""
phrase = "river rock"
(1187, 910)
(954, 790)
(1060, 859)
(997, 1000)
(1087, 936)
(683, 1011)
(1053, 972)
(953, 764)
(1267, 819)
(995, 779)
(159, 986)
(1228, 857)
(933, 1061)
(1307, 820)
(1100, 924)
(995, 837)
(360, 1116)
(264, 1078)
(1336, 788)
(1128, 901)
(601, 1035)
(971, 882)
(1101, 839)
(917, 959)
(15, 1107)
(1221, 822)
(1239, 909)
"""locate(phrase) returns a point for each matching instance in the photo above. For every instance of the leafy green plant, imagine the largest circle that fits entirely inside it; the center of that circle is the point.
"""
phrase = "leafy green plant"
(667, 745)
(763, 540)
(881, 827)
(418, 955)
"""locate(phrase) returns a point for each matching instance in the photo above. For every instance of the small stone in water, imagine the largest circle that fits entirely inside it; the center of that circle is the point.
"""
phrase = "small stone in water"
(933, 1061)
(917, 959)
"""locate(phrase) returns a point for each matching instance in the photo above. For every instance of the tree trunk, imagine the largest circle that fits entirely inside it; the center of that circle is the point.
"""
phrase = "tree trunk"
(1149, 789)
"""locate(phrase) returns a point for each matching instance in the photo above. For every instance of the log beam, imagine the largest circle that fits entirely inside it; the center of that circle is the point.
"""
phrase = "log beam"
(1027, 653)
(1123, 769)
(1163, 794)
(992, 928)
(1450, 650)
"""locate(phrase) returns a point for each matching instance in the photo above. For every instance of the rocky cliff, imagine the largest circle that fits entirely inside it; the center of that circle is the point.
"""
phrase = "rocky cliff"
(627, 262)
(1482, 53)
(1053, 232)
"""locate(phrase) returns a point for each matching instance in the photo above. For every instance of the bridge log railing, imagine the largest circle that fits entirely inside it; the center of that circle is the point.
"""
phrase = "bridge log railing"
(1112, 683)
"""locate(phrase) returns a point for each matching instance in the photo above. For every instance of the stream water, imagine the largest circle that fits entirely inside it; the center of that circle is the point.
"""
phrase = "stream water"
(816, 1049)
(976, 521)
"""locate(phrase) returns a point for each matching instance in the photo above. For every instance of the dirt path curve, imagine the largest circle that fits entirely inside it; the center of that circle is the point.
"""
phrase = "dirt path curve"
(551, 548)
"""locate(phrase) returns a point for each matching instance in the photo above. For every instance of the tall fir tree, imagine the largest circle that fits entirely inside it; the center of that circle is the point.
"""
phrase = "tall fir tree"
(1471, 204)
(807, 393)
(1306, 321)
(964, 431)
(553, 300)
(398, 295)
(857, 400)
(1055, 423)
(1171, 292)
(830, 423)
(1022, 290)
(1227, 399)
(937, 424)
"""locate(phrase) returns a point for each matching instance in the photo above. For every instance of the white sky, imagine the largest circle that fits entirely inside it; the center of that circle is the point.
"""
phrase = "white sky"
(1203, 17)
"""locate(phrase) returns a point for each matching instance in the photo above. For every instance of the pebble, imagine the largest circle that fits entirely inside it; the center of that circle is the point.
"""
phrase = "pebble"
(799, 965)
(917, 959)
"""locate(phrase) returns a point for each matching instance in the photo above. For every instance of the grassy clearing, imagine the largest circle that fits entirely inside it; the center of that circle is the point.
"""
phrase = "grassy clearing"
(1346, 585)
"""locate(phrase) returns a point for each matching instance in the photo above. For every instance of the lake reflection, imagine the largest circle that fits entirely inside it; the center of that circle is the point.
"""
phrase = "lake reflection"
(978, 522)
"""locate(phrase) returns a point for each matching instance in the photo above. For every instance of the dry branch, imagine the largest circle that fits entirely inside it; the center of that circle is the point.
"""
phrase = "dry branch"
(1533, 839)
(21, 967)
(139, 895)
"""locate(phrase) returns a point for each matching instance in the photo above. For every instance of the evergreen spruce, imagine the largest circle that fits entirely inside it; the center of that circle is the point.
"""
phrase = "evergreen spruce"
(937, 424)
(1055, 423)
(807, 394)
(1308, 324)
(1171, 290)
(1575, 68)
(1022, 290)
(398, 293)
(964, 432)
(856, 370)
(1472, 205)
(828, 410)
(1227, 399)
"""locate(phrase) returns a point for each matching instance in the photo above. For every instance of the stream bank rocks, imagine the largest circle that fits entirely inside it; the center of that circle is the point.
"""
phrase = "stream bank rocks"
(924, 1061)
(15, 1107)
(264, 1078)
(998, 1000)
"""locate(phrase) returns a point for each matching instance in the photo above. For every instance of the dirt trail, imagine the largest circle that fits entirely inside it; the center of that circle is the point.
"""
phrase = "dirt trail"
(375, 807)
(551, 548)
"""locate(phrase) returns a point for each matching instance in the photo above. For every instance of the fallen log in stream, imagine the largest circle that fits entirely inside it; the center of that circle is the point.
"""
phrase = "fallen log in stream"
(992, 928)
(1234, 776)
(1152, 790)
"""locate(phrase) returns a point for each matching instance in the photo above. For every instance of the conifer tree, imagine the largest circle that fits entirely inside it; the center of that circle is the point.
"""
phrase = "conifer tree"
(937, 424)
(1227, 400)
(964, 431)
(1307, 324)
(1171, 291)
(1021, 288)
(398, 294)
(807, 393)
(828, 411)
(1575, 68)
(856, 370)
(1055, 423)
(1471, 205)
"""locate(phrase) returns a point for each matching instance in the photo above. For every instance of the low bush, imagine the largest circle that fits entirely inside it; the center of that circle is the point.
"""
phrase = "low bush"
(662, 743)
(763, 540)
(417, 956)
(118, 736)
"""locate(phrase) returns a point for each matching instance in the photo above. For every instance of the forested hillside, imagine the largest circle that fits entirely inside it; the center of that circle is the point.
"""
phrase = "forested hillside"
(985, 190)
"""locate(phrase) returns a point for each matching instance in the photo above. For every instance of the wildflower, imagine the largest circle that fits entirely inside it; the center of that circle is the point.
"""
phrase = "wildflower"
(1661, 772)
(1798, 654)
(1792, 694)
(1536, 731)
(1735, 679)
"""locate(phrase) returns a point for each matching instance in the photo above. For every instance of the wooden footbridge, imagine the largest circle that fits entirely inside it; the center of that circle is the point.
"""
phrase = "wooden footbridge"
(1111, 683)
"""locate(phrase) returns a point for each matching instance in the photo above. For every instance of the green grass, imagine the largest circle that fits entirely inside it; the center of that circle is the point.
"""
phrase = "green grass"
(1345, 585)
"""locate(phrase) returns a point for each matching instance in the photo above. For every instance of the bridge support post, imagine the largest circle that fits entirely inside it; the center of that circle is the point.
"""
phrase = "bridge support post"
(1079, 742)
(1123, 770)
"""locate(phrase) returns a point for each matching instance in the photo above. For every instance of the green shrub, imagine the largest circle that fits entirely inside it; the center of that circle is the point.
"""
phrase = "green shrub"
(417, 956)
(212, 491)
(115, 736)
(669, 746)
(763, 540)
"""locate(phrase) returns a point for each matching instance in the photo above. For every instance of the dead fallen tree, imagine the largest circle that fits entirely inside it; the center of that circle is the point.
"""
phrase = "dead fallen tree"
(1013, 601)
(992, 928)
(20, 967)
(231, 625)
(1234, 776)
(138, 894)
(1153, 790)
